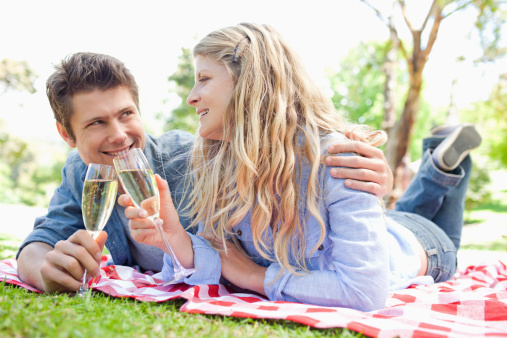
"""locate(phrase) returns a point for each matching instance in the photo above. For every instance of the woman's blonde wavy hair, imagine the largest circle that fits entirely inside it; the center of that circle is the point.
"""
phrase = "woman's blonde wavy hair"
(256, 165)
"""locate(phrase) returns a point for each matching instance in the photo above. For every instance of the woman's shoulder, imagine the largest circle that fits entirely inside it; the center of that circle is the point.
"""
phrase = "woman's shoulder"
(329, 139)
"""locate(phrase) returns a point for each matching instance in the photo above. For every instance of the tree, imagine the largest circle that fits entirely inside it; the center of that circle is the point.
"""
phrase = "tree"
(416, 56)
(17, 75)
(184, 116)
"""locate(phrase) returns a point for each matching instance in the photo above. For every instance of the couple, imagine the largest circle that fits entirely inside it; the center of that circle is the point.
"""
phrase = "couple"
(264, 213)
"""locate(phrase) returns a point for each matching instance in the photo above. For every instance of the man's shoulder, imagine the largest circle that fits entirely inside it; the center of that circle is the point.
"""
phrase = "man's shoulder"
(172, 137)
(74, 161)
(171, 141)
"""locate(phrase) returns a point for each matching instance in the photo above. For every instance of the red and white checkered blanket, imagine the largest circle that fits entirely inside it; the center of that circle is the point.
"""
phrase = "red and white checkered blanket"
(473, 303)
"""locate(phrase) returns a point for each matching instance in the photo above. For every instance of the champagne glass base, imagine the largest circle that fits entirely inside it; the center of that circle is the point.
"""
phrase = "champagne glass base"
(178, 275)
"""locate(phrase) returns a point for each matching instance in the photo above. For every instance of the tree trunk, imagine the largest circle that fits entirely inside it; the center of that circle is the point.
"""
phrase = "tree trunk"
(389, 69)
(397, 155)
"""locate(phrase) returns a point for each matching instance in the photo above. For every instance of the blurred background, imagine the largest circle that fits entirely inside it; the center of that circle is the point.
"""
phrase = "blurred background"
(402, 66)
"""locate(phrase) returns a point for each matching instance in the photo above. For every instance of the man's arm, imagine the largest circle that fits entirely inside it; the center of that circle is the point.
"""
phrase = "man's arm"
(61, 268)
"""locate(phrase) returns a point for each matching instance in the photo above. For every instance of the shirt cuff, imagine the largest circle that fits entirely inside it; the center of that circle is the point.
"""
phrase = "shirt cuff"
(206, 261)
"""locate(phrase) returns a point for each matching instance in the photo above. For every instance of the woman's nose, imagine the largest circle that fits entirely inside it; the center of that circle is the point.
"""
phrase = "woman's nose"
(193, 98)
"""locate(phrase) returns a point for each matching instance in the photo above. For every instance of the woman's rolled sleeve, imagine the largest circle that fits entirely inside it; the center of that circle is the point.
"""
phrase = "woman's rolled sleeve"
(206, 261)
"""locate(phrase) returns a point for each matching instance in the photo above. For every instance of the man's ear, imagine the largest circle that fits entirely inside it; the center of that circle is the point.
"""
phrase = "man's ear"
(63, 133)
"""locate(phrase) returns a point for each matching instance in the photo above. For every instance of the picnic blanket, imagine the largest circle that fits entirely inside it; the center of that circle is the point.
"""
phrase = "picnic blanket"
(472, 303)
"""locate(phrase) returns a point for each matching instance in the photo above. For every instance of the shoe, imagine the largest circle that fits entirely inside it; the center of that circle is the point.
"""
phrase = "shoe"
(446, 129)
(456, 146)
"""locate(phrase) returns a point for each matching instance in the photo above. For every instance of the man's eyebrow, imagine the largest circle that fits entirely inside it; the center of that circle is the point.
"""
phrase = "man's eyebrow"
(91, 120)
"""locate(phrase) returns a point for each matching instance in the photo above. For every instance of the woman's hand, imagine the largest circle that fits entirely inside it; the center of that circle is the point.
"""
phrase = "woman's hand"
(143, 230)
(240, 269)
(369, 172)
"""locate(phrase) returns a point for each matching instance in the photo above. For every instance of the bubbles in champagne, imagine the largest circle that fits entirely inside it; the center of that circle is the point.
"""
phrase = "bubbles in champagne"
(98, 201)
(142, 188)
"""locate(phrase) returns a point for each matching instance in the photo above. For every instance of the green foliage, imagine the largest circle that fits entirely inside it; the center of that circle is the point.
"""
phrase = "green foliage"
(490, 21)
(479, 190)
(184, 116)
(27, 314)
(17, 75)
(491, 118)
(358, 92)
(24, 177)
(358, 84)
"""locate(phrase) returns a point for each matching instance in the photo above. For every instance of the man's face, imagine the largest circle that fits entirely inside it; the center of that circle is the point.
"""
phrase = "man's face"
(104, 123)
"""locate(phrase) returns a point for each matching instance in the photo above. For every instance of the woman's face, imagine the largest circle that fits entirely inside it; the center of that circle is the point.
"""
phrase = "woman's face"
(211, 96)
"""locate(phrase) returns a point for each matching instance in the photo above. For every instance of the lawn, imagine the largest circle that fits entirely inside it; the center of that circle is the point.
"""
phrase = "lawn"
(28, 314)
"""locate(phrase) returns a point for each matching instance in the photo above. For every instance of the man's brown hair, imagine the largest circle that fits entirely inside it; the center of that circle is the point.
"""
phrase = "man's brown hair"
(85, 72)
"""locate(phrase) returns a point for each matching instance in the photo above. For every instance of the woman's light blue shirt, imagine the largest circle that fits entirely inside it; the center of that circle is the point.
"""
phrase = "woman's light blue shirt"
(352, 267)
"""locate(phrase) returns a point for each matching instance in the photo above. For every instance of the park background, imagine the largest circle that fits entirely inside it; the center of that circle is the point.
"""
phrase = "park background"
(346, 47)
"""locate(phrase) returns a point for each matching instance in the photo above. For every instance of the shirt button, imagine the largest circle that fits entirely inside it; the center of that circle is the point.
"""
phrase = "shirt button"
(321, 247)
(238, 232)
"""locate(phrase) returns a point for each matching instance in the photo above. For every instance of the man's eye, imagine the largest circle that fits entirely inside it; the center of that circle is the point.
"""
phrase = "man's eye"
(95, 123)
(128, 112)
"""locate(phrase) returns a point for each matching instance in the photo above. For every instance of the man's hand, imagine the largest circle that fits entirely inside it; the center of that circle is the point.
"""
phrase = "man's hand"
(61, 268)
(368, 172)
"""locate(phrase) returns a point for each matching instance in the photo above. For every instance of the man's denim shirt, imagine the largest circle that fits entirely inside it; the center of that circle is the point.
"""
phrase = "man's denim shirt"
(168, 156)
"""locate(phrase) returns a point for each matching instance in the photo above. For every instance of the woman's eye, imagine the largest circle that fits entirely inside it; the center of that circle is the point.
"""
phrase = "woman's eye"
(203, 79)
(128, 112)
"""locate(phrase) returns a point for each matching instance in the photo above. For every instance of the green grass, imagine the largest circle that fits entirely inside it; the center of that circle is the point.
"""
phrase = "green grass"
(498, 245)
(27, 314)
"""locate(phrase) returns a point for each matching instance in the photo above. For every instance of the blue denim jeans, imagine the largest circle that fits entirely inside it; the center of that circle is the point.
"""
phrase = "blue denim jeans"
(432, 207)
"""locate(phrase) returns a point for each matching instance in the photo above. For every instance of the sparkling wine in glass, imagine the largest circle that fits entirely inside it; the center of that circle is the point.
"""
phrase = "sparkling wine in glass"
(99, 194)
(139, 183)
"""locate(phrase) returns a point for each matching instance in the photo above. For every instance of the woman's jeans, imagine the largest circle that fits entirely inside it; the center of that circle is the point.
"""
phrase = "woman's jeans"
(432, 207)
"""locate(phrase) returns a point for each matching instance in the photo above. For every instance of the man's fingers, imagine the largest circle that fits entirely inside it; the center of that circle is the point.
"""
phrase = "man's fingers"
(359, 147)
(56, 279)
(355, 174)
(355, 162)
(370, 187)
(101, 241)
(82, 238)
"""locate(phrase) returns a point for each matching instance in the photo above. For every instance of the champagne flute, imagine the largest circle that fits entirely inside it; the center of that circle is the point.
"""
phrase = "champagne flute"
(139, 183)
(99, 194)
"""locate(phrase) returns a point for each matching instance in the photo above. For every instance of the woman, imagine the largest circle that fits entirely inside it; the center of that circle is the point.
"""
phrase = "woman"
(271, 218)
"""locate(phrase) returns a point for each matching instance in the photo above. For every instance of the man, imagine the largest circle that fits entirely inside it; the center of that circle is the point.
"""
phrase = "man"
(95, 102)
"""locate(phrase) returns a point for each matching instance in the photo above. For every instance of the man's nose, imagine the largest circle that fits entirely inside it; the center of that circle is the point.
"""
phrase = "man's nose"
(117, 133)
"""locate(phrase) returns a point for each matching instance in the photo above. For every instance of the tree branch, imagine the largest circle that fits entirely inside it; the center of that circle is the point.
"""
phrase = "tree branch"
(432, 9)
(403, 50)
(377, 12)
(457, 9)
(433, 34)
(405, 17)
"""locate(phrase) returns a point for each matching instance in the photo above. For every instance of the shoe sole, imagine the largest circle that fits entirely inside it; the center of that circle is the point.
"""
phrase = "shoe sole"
(459, 146)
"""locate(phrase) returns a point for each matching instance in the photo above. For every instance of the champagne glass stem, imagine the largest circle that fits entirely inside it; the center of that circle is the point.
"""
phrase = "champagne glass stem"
(179, 270)
(84, 286)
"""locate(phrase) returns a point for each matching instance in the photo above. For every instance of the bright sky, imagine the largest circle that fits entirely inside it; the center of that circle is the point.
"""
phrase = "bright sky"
(148, 36)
